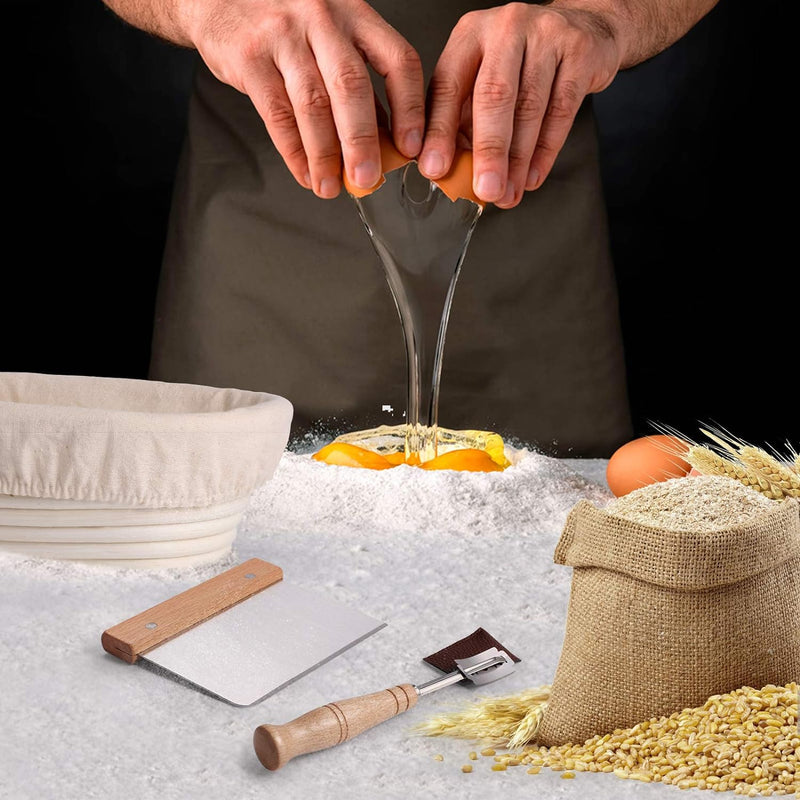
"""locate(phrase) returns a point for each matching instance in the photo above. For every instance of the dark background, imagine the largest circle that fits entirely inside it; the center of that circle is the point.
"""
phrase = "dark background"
(697, 164)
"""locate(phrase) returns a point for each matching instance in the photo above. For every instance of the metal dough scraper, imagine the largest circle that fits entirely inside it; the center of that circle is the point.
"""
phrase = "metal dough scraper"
(241, 635)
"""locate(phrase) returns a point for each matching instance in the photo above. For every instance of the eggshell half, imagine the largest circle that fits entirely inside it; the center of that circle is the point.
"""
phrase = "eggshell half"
(646, 460)
(457, 183)
(391, 159)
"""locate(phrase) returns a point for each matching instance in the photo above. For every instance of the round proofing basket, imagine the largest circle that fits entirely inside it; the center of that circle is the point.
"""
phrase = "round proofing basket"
(130, 472)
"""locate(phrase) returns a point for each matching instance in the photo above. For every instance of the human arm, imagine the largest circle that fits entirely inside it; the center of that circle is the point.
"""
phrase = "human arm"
(304, 67)
(513, 78)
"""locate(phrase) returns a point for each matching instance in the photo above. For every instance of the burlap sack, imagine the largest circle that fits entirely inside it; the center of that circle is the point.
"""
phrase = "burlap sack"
(660, 620)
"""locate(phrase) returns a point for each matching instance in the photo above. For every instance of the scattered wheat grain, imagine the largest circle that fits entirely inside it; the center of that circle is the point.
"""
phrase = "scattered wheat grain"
(746, 741)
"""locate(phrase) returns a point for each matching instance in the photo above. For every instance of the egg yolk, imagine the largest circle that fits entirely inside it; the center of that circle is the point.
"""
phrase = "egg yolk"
(465, 460)
(343, 454)
(395, 459)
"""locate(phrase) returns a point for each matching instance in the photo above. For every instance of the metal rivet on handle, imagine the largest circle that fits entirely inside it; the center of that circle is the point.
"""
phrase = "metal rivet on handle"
(151, 625)
(250, 575)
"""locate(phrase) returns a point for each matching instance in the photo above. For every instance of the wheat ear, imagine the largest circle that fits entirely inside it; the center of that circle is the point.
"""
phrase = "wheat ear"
(710, 463)
(781, 478)
(777, 474)
(494, 720)
(528, 727)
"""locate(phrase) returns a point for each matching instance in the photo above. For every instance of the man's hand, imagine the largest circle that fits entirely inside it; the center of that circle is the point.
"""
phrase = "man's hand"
(303, 64)
(512, 79)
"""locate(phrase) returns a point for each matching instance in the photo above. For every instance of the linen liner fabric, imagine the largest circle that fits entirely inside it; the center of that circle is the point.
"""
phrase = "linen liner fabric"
(136, 443)
(661, 620)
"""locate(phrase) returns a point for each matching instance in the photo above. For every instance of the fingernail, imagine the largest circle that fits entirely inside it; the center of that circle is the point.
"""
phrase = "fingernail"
(508, 197)
(413, 142)
(307, 180)
(489, 186)
(329, 188)
(366, 174)
(432, 164)
(533, 178)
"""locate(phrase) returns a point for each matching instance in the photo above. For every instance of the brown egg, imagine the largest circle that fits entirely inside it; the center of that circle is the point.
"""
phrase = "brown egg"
(646, 460)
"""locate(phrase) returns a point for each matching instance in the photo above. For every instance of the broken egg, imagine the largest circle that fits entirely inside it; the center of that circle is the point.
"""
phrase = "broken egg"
(466, 451)
(349, 455)
(646, 460)
(457, 183)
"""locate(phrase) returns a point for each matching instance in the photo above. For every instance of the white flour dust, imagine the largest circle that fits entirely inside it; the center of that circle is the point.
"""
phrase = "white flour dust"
(434, 555)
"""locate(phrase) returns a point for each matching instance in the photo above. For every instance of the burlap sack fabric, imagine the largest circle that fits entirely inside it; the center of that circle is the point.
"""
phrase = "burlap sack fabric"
(660, 620)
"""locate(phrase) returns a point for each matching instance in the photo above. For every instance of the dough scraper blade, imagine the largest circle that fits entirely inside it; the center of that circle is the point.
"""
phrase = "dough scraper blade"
(241, 635)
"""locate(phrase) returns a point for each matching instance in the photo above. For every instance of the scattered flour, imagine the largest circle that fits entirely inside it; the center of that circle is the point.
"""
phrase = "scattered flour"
(434, 555)
(700, 503)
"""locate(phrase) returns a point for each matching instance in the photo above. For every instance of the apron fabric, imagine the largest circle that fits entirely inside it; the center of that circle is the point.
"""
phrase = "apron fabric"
(268, 288)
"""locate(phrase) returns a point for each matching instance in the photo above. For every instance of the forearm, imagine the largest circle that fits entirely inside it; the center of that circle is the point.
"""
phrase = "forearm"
(163, 18)
(642, 28)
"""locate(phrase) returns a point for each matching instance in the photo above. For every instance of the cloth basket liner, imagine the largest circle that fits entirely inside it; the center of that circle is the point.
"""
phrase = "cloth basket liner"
(136, 443)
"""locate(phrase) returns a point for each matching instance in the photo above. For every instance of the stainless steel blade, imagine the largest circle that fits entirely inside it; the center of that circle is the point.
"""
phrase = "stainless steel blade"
(260, 645)
(484, 667)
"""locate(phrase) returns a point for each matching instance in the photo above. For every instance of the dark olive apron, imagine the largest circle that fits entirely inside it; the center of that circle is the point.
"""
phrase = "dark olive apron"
(266, 287)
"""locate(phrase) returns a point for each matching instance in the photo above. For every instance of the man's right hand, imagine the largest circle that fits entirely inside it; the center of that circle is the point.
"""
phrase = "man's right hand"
(303, 64)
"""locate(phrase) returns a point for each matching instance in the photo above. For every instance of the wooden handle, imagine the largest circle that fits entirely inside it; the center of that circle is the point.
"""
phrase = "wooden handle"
(329, 725)
(163, 622)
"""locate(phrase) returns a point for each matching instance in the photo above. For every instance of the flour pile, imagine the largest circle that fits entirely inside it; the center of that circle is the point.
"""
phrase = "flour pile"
(311, 496)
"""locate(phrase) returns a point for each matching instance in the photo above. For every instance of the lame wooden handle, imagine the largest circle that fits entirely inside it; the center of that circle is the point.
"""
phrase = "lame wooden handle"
(329, 725)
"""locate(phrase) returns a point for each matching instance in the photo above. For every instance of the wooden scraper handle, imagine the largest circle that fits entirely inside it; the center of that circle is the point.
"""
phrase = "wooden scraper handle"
(136, 636)
(330, 725)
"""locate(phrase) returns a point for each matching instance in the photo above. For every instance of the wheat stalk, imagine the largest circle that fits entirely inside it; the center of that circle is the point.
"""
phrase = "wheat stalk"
(794, 456)
(792, 460)
(494, 720)
(710, 463)
(528, 727)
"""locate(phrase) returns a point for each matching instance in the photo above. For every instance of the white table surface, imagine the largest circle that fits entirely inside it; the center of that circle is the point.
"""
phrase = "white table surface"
(78, 723)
